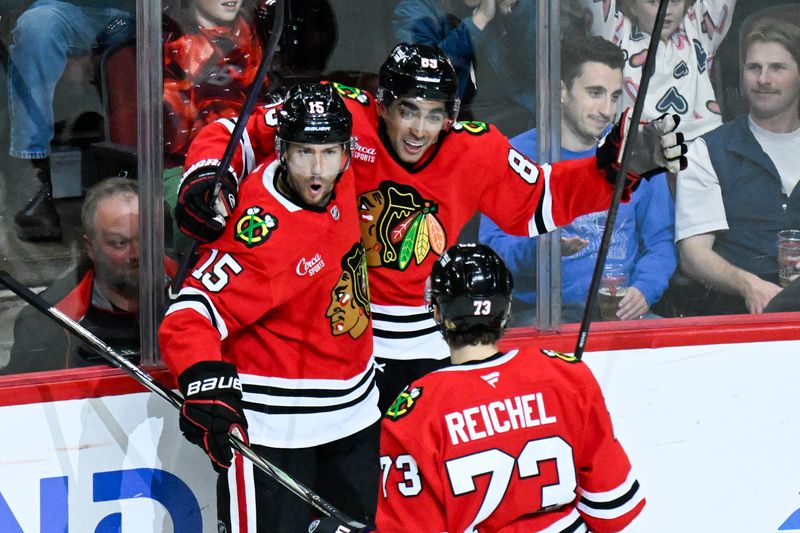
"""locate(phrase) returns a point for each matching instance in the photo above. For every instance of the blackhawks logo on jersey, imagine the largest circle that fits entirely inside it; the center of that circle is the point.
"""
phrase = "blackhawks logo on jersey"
(398, 225)
(254, 228)
(349, 310)
(404, 403)
(352, 93)
(566, 357)
(471, 126)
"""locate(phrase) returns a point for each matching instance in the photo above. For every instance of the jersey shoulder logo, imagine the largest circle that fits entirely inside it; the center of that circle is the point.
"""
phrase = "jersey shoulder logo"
(348, 310)
(353, 93)
(397, 225)
(404, 403)
(566, 357)
(255, 227)
(472, 127)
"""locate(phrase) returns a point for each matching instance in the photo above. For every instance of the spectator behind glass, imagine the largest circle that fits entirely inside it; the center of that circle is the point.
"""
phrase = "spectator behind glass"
(101, 293)
(591, 87)
(681, 83)
(211, 55)
(739, 189)
(45, 35)
(491, 45)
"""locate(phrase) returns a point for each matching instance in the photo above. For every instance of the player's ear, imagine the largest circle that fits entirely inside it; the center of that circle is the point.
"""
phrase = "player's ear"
(563, 91)
(437, 316)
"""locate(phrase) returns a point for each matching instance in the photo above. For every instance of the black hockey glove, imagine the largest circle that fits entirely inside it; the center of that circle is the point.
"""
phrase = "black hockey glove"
(331, 525)
(658, 149)
(212, 408)
(199, 215)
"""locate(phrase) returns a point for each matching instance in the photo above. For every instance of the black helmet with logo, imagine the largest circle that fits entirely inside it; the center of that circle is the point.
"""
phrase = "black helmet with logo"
(471, 286)
(314, 113)
(419, 71)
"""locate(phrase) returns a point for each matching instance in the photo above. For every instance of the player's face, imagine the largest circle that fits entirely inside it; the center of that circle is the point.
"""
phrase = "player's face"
(771, 80)
(413, 126)
(313, 169)
(210, 13)
(644, 14)
(589, 105)
(113, 246)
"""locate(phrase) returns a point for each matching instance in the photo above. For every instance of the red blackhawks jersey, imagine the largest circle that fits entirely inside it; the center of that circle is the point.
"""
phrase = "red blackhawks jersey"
(206, 76)
(282, 295)
(519, 442)
(409, 216)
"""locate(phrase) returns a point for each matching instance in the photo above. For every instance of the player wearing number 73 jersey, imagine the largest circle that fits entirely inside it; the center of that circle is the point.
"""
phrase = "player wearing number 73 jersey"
(499, 442)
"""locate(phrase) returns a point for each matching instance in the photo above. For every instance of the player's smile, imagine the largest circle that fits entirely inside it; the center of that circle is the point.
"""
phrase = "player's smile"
(413, 126)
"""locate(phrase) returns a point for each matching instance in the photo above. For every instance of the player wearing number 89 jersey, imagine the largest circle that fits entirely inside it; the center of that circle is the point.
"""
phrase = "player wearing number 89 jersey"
(519, 441)
(420, 177)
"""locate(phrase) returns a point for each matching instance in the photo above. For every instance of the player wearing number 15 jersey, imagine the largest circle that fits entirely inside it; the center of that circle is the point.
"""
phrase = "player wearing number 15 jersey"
(271, 333)
(420, 176)
(514, 442)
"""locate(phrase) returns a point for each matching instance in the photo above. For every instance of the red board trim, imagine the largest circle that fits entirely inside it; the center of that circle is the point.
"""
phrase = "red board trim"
(97, 382)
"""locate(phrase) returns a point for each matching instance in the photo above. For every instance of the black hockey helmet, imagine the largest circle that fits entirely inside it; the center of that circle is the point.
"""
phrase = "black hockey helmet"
(314, 113)
(419, 71)
(471, 286)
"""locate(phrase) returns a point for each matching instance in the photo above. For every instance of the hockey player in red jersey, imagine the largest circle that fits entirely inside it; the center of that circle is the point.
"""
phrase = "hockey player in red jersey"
(420, 176)
(516, 441)
(271, 332)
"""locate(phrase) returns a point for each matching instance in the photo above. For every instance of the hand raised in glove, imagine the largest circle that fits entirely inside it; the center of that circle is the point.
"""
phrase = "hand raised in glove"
(659, 148)
(200, 213)
(212, 408)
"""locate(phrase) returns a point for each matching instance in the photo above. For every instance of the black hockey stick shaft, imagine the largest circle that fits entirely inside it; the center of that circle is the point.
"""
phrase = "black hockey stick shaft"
(147, 381)
(268, 15)
(619, 185)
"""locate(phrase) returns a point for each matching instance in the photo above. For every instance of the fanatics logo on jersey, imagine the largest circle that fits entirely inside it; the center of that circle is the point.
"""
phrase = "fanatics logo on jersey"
(567, 358)
(491, 378)
(253, 228)
(404, 403)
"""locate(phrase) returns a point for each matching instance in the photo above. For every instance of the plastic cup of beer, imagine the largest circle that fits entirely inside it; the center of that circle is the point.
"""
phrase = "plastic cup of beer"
(788, 256)
(613, 286)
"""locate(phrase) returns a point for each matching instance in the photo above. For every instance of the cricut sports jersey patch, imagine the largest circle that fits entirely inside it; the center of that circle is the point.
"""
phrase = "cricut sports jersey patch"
(566, 357)
(352, 93)
(404, 403)
(472, 127)
(254, 228)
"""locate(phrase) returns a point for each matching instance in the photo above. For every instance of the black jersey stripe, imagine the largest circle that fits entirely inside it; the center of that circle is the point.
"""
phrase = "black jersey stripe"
(538, 218)
(384, 334)
(183, 297)
(574, 526)
(615, 503)
(303, 409)
(307, 393)
(402, 318)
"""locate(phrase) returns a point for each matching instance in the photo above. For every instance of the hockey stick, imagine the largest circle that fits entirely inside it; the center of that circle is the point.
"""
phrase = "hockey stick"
(619, 185)
(146, 380)
(268, 11)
